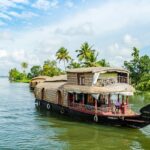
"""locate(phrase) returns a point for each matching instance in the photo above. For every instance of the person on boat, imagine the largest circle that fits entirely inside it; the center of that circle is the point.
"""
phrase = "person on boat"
(117, 105)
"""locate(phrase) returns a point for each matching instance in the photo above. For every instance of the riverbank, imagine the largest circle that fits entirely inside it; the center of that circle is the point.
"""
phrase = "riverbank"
(22, 81)
(142, 92)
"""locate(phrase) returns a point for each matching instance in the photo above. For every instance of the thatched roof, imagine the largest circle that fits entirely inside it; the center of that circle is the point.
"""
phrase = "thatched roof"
(98, 69)
(57, 78)
(115, 88)
(50, 85)
(40, 78)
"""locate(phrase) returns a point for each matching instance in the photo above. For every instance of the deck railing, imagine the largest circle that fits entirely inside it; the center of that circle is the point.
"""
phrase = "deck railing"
(101, 109)
(109, 81)
(90, 107)
(122, 79)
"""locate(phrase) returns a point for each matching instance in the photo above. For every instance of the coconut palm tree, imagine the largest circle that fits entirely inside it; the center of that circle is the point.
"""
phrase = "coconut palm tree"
(103, 63)
(84, 52)
(92, 60)
(63, 55)
(73, 64)
(24, 66)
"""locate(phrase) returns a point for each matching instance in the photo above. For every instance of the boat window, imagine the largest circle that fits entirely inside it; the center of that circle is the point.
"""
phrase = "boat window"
(90, 100)
(81, 79)
(70, 98)
(122, 78)
(78, 98)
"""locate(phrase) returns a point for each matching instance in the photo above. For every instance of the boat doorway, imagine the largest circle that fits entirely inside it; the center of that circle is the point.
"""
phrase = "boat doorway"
(59, 97)
(42, 93)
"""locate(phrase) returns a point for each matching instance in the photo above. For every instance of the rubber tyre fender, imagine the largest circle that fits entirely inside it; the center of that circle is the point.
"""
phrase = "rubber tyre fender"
(62, 111)
(95, 118)
(39, 103)
(48, 106)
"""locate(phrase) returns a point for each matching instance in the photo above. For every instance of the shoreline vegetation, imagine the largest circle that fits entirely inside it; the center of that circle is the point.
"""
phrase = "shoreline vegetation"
(139, 66)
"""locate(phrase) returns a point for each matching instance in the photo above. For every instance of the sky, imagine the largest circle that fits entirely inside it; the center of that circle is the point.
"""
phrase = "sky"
(33, 30)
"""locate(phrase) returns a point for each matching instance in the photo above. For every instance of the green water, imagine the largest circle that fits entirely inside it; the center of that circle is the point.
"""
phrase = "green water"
(22, 126)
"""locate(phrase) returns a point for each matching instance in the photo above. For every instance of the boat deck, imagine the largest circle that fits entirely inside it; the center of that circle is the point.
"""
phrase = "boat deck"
(103, 110)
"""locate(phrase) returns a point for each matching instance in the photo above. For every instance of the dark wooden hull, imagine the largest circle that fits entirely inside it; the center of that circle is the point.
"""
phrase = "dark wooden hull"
(134, 122)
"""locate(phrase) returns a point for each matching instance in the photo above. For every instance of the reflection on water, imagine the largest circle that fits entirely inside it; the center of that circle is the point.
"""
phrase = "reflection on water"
(23, 126)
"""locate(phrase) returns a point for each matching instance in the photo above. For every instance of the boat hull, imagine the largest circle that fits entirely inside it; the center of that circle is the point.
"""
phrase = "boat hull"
(134, 122)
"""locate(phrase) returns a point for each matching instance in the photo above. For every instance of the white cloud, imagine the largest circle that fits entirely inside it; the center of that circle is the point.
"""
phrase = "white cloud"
(129, 40)
(4, 16)
(2, 23)
(20, 1)
(118, 53)
(69, 4)
(85, 29)
(23, 15)
(46, 4)
(6, 4)
(3, 53)
(6, 35)
(54, 3)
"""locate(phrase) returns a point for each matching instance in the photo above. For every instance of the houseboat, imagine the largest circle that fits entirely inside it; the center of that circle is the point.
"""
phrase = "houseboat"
(99, 94)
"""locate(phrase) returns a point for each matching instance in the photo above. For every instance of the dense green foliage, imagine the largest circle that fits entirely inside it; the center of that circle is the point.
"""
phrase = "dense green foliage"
(15, 75)
(139, 68)
(35, 71)
(74, 64)
(50, 69)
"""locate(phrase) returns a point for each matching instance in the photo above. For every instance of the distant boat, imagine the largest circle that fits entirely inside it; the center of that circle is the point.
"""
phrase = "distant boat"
(99, 94)
(37, 80)
(3, 76)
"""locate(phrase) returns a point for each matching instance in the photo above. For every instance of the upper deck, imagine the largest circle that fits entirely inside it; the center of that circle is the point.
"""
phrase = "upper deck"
(97, 76)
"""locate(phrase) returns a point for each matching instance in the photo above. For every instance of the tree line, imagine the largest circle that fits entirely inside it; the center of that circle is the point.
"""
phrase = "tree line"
(139, 66)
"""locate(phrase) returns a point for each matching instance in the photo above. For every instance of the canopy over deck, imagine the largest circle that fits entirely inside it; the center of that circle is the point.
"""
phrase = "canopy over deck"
(40, 78)
(50, 85)
(123, 89)
(57, 78)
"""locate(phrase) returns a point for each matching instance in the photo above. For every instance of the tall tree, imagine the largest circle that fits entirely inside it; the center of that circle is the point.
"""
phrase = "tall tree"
(14, 74)
(103, 63)
(35, 71)
(92, 60)
(63, 55)
(24, 65)
(84, 52)
(50, 68)
(74, 64)
(144, 64)
(138, 66)
(133, 66)
(88, 57)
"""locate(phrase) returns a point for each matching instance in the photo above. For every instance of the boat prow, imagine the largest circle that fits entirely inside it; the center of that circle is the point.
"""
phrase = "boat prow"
(145, 112)
(142, 120)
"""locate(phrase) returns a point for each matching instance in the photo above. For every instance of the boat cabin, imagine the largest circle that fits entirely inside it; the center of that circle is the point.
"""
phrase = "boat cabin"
(99, 90)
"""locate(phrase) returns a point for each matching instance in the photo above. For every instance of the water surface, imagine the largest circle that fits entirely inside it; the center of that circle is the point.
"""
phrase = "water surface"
(22, 126)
